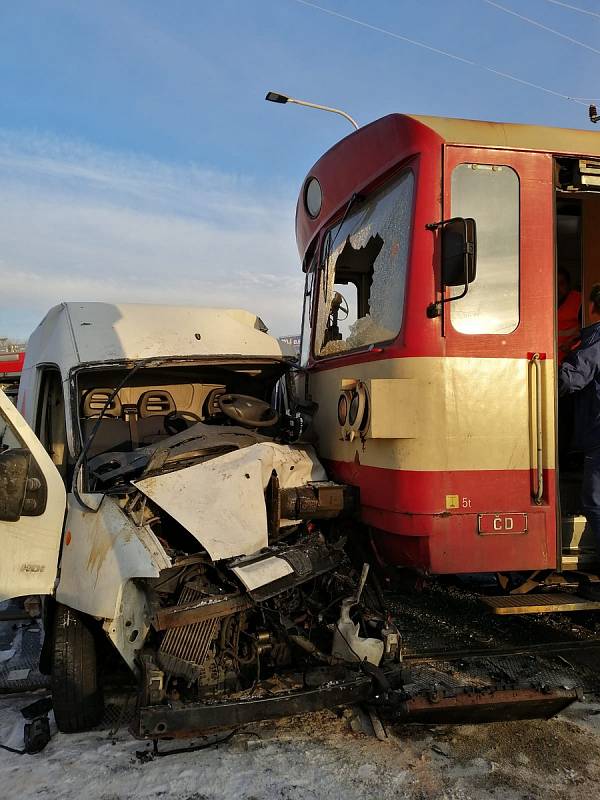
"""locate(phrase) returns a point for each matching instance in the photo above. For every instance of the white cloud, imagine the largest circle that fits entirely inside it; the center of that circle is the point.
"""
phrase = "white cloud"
(77, 223)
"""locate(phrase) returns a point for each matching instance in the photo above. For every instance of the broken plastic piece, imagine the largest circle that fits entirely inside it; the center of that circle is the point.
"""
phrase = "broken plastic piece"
(348, 644)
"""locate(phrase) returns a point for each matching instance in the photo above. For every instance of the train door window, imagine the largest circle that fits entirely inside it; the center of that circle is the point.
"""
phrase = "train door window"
(50, 427)
(362, 278)
(489, 194)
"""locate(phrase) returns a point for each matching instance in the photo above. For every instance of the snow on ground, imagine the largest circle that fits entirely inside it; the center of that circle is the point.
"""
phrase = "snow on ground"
(316, 757)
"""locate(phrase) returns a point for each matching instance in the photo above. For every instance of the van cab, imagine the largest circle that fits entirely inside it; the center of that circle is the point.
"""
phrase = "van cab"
(153, 488)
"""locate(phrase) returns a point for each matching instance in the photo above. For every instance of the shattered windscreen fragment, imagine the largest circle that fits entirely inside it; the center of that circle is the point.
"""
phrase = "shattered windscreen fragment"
(363, 273)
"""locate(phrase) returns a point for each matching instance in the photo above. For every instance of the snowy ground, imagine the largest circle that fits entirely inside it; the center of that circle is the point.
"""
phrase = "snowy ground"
(317, 757)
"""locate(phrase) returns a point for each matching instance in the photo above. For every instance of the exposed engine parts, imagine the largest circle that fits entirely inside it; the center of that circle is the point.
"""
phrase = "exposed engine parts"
(259, 596)
(222, 629)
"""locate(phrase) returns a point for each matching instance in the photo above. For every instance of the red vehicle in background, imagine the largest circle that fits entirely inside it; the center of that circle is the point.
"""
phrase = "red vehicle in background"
(431, 248)
(11, 367)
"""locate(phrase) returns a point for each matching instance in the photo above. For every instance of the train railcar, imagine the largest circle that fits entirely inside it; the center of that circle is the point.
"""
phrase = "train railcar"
(430, 248)
(11, 367)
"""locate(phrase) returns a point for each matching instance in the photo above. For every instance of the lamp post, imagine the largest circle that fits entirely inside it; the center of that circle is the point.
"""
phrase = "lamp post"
(275, 97)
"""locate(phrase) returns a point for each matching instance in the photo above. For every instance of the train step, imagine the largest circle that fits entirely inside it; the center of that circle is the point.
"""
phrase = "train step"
(539, 603)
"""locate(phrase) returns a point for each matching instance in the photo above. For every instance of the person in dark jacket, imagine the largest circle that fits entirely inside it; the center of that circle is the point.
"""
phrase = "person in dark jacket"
(580, 375)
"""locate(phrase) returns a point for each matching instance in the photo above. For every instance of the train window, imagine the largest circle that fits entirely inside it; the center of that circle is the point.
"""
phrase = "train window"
(362, 277)
(307, 317)
(489, 194)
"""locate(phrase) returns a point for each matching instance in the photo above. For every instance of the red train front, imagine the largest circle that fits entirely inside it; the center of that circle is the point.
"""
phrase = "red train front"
(431, 248)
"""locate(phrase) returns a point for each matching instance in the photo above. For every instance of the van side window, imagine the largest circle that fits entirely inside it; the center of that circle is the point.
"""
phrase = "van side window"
(8, 436)
(362, 276)
(50, 425)
(489, 194)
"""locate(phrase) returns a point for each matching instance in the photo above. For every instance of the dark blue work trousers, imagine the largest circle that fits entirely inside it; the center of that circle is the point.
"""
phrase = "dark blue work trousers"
(590, 492)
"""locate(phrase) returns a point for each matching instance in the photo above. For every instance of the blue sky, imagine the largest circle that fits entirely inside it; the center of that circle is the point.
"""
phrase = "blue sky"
(139, 161)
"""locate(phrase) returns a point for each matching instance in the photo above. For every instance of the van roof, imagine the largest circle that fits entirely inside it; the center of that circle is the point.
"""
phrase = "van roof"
(74, 333)
(569, 141)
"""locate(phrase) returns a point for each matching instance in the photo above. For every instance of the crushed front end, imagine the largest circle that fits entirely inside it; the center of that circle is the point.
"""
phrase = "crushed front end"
(217, 560)
(247, 638)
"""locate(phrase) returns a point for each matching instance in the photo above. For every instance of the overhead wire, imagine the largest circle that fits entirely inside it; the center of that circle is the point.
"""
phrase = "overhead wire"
(543, 27)
(438, 51)
(574, 8)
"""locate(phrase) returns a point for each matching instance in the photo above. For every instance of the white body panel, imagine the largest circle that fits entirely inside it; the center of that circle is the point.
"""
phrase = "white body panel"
(222, 502)
(262, 572)
(130, 625)
(102, 551)
(30, 546)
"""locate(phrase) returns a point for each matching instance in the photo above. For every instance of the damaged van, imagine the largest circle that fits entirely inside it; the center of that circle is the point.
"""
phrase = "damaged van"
(157, 487)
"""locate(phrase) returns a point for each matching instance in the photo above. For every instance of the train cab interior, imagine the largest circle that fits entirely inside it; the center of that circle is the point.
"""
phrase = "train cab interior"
(578, 269)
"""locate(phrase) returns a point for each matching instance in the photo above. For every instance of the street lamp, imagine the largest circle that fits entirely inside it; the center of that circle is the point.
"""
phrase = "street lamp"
(274, 97)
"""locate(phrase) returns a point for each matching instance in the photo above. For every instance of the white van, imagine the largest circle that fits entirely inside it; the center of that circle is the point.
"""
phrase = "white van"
(153, 489)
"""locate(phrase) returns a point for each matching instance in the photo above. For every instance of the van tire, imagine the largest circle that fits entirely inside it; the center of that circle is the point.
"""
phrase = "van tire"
(76, 693)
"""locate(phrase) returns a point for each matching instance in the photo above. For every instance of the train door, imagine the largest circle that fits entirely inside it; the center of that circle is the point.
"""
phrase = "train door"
(578, 269)
(499, 337)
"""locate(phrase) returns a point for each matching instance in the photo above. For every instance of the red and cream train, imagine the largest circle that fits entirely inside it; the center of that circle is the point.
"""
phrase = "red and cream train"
(430, 248)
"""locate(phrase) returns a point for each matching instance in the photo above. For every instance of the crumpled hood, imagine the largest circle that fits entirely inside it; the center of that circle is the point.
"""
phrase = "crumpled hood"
(221, 502)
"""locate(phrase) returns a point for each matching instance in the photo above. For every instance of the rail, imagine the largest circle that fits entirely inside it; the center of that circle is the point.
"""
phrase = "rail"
(571, 646)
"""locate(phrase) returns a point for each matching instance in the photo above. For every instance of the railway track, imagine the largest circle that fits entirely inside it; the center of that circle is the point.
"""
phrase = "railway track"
(451, 644)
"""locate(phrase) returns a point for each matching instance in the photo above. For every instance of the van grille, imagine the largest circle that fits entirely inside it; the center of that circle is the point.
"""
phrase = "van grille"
(184, 650)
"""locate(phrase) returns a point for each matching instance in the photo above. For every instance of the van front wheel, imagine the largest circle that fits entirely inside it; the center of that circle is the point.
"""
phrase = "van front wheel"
(76, 694)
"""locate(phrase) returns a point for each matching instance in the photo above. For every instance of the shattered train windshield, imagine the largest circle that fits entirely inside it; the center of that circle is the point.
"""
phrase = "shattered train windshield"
(363, 273)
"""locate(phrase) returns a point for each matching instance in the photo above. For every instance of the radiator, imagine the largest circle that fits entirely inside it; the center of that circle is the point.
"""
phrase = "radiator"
(184, 650)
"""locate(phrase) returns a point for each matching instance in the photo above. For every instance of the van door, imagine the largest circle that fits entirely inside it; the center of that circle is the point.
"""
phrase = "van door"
(500, 335)
(32, 509)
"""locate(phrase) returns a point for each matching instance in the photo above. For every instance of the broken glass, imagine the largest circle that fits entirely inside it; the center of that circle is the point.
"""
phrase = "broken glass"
(363, 273)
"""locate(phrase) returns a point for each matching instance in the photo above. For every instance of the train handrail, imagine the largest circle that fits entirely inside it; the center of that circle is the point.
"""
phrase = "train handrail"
(538, 492)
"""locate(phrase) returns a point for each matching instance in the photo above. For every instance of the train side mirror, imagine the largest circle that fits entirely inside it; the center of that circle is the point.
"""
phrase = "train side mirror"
(459, 252)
